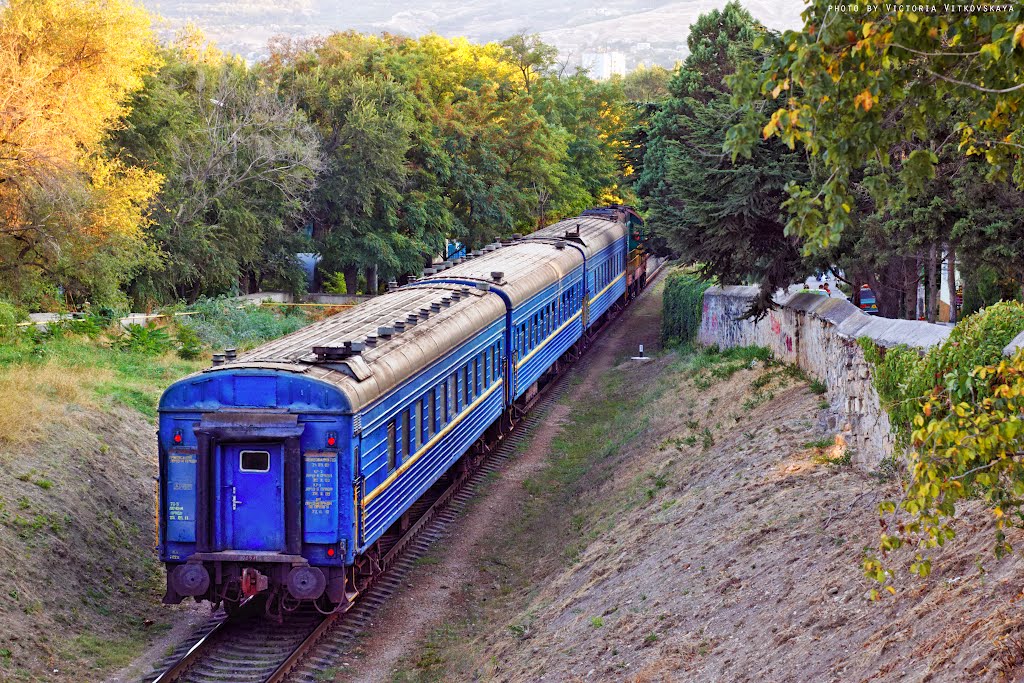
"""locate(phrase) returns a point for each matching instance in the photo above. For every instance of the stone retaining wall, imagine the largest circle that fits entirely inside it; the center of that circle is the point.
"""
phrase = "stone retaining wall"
(819, 334)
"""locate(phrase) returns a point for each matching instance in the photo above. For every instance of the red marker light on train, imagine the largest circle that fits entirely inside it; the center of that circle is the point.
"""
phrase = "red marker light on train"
(330, 552)
(332, 438)
(177, 436)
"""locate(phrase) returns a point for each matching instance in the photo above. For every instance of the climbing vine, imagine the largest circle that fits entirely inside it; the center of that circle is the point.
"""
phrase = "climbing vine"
(683, 303)
(959, 410)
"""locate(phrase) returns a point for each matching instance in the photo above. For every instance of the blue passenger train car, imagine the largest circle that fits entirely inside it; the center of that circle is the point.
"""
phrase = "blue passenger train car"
(287, 469)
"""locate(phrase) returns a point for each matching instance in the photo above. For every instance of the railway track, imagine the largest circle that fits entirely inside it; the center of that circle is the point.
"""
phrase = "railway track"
(249, 648)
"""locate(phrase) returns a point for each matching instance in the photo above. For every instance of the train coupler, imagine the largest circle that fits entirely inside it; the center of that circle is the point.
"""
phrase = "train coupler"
(253, 582)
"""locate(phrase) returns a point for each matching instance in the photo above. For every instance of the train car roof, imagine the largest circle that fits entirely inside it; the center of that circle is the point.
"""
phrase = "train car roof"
(446, 313)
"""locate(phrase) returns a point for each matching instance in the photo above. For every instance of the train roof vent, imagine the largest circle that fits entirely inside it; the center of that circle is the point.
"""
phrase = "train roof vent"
(560, 244)
(456, 295)
(478, 252)
(517, 235)
(398, 326)
(457, 261)
(392, 285)
(385, 332)
(483, 286)
(429, 271)
(411, 319)
(218, 359)
(336, 353)
(370, 341)
(425, 312)
(435, 307)
(446, 301)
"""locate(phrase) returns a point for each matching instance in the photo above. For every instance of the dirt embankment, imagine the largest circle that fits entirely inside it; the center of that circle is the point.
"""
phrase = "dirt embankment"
(80, 579)
(678, 520)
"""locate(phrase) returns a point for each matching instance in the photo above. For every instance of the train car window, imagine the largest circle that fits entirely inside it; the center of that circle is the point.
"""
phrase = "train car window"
(254, 461)
(466, 393)
(411, 429)
(450, 412)
(487, 366)
(456, 406)
(478, 373)
(432, 410)
(402, 438)
(392, 446)
(423, 422)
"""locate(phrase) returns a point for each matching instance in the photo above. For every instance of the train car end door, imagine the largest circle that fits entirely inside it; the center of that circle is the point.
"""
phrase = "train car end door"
(252, 497)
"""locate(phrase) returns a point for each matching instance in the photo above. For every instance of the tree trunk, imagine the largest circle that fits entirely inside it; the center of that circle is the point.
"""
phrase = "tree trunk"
(954, 314)
(351, 279)
(371, 280)
(932, 303)
(911, 271)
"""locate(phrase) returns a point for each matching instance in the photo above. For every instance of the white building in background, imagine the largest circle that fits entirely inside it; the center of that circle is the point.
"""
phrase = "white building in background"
(604, 65)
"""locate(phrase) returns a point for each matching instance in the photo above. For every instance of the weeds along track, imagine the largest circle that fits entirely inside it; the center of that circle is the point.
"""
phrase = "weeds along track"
(250, 647)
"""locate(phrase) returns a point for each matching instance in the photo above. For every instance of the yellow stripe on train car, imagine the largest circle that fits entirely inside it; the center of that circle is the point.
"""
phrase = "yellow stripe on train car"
(430, 444)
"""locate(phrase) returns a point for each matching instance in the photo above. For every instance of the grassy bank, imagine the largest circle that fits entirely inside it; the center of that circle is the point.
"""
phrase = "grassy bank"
(78, 402)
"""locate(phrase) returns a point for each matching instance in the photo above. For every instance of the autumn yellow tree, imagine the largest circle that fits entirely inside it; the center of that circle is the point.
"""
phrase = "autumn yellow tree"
(68, 212)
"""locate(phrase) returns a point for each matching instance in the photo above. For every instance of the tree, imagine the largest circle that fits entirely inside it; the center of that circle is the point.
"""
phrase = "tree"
(532, 56)
(724, 215)
(591, 117)
(239, 161)
(855, 88)
(646, 84)
(70, 216)
(365, 118)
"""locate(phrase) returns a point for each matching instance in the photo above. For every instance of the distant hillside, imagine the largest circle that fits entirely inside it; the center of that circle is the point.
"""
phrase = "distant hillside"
(659, 25)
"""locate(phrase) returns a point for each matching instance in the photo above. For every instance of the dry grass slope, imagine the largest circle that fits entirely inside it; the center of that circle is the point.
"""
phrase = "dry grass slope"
(702, 526)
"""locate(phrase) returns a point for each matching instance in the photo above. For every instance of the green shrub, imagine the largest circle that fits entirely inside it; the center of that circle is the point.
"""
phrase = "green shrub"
(10, 316)
(334, 283)
(682, 303)
(91, 326)
(904, 378)
(223, 323)
(148, 339)
(190, 346)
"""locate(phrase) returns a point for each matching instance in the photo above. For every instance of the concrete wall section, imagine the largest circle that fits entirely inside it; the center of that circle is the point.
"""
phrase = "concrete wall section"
(819, 334)
(1015, 345)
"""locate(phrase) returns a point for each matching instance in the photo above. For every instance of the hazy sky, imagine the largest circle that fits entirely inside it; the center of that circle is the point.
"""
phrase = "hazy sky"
(244, 26)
